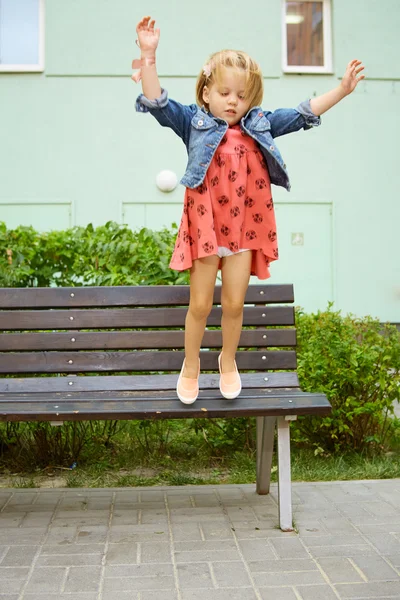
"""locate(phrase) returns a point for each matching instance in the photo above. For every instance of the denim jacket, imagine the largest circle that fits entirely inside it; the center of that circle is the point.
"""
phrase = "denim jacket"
(202, 133)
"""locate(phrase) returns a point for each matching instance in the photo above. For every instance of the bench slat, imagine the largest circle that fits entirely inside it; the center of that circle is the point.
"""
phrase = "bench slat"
(164, 405)
(60, 362)
(104, 340)
(131, 317)
(122, 383)
(128, 296)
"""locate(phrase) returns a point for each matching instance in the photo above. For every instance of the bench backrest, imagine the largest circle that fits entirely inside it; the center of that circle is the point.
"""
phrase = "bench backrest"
(123, 330)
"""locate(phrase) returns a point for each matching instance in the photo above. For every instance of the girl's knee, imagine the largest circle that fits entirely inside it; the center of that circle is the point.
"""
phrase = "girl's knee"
(231, 307)
(200, 308)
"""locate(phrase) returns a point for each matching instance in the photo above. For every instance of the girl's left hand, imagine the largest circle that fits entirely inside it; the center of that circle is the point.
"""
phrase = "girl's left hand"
(350, 78)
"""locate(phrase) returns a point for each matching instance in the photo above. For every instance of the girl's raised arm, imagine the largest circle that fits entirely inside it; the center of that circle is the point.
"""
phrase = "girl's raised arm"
(147, 41)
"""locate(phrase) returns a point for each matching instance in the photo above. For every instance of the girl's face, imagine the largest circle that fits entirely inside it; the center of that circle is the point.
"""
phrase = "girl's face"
(226, 98)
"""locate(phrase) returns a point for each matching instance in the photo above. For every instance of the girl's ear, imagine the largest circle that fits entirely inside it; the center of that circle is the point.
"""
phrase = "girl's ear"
(206, 94)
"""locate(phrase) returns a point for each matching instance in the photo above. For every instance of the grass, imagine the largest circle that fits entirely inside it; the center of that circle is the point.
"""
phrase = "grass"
(173, 454)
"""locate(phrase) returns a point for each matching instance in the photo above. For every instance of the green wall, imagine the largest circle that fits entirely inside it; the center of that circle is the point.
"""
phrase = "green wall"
(75, 151)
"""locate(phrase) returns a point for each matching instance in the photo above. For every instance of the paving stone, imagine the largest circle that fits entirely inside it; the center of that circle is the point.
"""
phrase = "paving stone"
(238, 513)
(26, 537)
(204, 513)
(125, 499)
(157, 516)
(316, 592)
(394, 559)
(206, 551)
(257, 550)
(120, 595)
(156, 595)
(344, 551)
(46, 580)
(61, 535)
(75, 596)
(83, 579)
(36, 519)
(369, 590)
(279, 565)
(13, 572)
(72, 549)
(11, 586)
(138, 533)
(48, 499)
(194, 575)
(205, 500)
(124, 517)
(258, 529)
(19, 556)
(152, 496)
(177, 502)
(139, 583)
(91, 535)
(215, 531)
(226, 594)
(230, 574)
(273, 593)
(155, 552)
(307, 527)
(149, 570)
(339, 525)
(340, 570)
(18, 498)
(333, 540)
(191, 531)
(8, 520)
(389, 527)
(386, 543)
(122, 554)
(289, 548)
(288, 578)
(265, 513)
(69, 560)
(376, 568)
(381, 509)
(81, 521)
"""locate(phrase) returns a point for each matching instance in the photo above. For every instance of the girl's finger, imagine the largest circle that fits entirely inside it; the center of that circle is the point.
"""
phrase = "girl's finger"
(151, 24)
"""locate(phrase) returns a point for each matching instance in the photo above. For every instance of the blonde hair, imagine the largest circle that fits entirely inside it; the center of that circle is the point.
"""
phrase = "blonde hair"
(236, 59)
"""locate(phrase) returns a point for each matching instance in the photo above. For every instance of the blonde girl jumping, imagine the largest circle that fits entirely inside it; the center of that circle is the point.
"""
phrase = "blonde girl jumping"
(228, 219)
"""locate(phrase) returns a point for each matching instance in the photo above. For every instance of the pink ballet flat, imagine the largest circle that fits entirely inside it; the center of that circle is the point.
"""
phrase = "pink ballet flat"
(187, 388)
(230, 384)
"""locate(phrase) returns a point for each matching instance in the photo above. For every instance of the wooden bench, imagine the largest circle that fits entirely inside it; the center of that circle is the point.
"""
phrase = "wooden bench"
(109, 330)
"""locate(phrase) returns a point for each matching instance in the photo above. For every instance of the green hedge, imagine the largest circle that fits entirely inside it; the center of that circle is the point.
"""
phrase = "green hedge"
(352, 360)
(111, 254)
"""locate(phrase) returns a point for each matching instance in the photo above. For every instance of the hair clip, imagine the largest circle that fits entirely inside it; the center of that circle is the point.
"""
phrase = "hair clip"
(207, 69)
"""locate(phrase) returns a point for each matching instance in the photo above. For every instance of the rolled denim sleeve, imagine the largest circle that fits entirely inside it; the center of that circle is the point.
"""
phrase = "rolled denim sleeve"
(143, 104)
(289, 120)
(311, 120)
(169, 113)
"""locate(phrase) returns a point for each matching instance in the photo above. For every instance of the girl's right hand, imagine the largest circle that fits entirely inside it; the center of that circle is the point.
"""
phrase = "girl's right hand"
(148, 37)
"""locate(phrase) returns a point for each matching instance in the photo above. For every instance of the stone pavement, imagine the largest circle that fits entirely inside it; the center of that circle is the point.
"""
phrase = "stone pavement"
(200, 543)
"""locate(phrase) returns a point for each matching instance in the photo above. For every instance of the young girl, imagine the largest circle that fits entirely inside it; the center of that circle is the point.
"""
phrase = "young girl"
(228, 219)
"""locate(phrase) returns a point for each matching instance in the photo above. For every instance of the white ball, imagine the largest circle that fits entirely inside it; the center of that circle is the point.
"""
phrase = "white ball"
(166, 181)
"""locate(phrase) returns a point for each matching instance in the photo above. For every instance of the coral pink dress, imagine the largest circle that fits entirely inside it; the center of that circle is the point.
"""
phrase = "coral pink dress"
(232, 208)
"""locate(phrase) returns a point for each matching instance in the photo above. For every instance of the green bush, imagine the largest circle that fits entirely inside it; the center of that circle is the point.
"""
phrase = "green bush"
(111, 254)
(356, 363)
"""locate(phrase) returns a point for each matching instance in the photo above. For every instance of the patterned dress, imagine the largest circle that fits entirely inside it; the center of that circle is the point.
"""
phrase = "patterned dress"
(232, 208)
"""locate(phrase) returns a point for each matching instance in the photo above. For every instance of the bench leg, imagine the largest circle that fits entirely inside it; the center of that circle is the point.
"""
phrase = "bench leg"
(265, 448)
(284, 478)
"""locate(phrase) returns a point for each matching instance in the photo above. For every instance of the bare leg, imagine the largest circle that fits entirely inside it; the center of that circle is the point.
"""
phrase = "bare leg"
(202, 282)
(235, 280)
